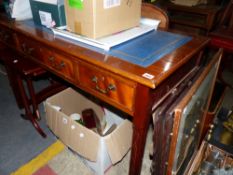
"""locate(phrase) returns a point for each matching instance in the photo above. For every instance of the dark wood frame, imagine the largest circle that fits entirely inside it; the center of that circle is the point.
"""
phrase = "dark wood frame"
(178, 110)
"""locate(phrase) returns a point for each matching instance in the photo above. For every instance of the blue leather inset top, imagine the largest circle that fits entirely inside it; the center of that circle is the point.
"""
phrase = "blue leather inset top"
(147, 49)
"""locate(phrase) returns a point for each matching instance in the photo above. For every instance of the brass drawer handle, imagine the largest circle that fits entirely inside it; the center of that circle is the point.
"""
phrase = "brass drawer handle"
(51, 59)
(30, 50)
(26, 49)
(94, 79)
(57, 66)
(111, 87)
(60, 66)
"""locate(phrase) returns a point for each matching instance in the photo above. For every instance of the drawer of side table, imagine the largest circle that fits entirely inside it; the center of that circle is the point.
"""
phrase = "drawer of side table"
(59, 63)
(56, 62)
(106, 84)
(29, 47)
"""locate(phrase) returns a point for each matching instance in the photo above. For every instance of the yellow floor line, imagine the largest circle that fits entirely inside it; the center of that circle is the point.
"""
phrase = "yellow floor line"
(40, 160)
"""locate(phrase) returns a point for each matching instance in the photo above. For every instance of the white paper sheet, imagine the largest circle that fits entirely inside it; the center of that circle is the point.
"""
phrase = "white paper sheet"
(146, 25)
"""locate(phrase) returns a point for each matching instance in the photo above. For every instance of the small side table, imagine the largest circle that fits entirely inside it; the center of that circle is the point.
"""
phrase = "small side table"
(198, 19)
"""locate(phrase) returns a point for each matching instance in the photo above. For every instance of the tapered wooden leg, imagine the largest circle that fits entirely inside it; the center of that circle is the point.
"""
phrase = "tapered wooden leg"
(141, 121)
(138, 146)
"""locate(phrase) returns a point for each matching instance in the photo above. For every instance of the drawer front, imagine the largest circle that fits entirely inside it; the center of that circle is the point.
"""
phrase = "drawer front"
(103, 83)
(6, 36)
(29, 47)
(59, 63)
(48, 57)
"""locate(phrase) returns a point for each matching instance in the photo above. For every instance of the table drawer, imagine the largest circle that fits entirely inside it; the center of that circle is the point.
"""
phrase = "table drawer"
(106, 84)
(56, 62)
(59, 63)
(6, 36)
(29, 47)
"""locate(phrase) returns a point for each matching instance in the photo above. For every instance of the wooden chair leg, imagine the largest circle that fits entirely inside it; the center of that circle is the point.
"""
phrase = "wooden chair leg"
(33, 98)
(225, 63)
(26, 105)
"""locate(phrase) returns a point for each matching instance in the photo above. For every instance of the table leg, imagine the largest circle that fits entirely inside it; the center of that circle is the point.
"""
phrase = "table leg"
(14, 85)
(141, 121)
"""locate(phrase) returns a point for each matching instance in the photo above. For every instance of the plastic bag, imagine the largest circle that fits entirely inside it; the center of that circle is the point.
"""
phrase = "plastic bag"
(21, 10)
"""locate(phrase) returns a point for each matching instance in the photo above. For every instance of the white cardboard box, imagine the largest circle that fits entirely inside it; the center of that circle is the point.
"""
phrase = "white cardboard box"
(99, 152)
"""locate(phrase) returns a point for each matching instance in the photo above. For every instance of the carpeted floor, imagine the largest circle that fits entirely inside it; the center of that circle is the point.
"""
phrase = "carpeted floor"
(19, 142)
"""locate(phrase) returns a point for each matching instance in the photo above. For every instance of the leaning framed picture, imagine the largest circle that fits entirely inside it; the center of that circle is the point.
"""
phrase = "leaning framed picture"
(188, 119)
(178, 120)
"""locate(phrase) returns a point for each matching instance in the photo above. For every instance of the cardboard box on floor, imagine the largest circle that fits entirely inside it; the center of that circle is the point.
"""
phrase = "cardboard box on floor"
(98, 18)
(100, 153)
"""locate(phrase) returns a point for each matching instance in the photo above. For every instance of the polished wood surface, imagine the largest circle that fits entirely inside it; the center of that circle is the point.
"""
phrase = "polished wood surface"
(119, 83)
(45, 40)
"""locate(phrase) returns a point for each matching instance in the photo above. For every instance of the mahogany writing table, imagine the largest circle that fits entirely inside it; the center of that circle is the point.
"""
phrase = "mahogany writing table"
(137, 90)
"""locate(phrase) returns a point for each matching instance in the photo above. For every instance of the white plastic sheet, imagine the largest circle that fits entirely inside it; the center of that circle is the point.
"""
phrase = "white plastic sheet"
(21, 10)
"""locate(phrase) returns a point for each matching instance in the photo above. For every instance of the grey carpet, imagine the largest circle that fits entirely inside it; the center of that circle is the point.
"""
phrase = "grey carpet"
(19, 141)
